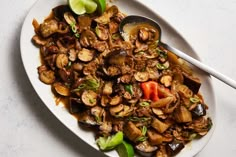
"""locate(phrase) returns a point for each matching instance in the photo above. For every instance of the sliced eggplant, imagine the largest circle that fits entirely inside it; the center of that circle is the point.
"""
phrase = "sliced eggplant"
(145, 149)
(75, 105)
(193, 83)
(132, 132)
(174, 148)
(199, 110)
(182, 114)
(159, 125)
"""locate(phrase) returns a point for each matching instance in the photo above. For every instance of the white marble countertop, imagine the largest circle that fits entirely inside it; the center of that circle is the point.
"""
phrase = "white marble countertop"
(29, 129)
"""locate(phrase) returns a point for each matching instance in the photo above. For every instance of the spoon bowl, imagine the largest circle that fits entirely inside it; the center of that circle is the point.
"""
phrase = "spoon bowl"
(134, 20)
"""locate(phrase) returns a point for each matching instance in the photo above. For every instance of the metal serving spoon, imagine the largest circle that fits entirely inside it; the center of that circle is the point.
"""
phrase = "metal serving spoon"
(139, 19)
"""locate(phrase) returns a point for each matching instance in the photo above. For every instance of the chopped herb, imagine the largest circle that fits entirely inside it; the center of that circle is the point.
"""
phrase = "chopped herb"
(144, 130)
(73, 28)
(144, 103)
(115, 36)
(89, 84)
(77, 35)
(98, 119)
(192, 136)
(69, 64)
(129, 88)
(91, 101)
(194, 100)
(161, 66)
(141, 119)
(141, 139)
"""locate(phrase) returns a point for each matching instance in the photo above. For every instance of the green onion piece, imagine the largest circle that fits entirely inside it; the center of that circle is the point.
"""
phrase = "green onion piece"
(90, 84)
(161, 66)
(194, 100)
(129, 88)
(115, 36)
(141, 119)
(141, 139)
(77, 35)
(144, 130)
(144, 104)
(192, 136)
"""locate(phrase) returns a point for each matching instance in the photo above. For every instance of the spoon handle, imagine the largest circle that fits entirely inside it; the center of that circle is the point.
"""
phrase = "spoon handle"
(201, 66)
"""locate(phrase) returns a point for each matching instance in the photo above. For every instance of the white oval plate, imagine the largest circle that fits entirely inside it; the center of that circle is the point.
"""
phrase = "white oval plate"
(31, 60)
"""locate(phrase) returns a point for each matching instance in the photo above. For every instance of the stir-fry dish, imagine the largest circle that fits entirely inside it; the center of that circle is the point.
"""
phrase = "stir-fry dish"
(134, 94)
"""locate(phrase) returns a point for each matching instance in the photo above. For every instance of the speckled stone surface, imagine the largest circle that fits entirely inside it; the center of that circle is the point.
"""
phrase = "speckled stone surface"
(29, 129)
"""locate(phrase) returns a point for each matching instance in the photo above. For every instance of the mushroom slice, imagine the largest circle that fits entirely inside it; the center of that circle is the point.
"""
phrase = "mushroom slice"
(104, 100)
(143, 34)
(61, 89)
(159, 113)
(47, 76)
(48, 27)
(73, 55)
(116, 109)
(102, 32)
(69, 18)
(107, 89)
(105, 18)
(86, 55)
(145, 149)
(89, 98)
(87, 38)
(166, 80)
(97, 113)
(115, 100)
(141, 76)
(62, 60)
(39, 41)
(113, 71)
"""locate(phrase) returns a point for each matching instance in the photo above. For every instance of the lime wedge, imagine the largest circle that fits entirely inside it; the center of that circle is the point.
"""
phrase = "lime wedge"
(82, 6)
(101, 5)
(90, 6)
(125, 150)
(110, 142)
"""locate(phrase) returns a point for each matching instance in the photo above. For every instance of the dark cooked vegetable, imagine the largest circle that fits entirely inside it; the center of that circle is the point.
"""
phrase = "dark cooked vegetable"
(182, 114)
(193, 83)
(199, 110)
(76, 105)
(132, 132)
(59, 11)
(174, 148)
(145, 149)
(159, 125)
